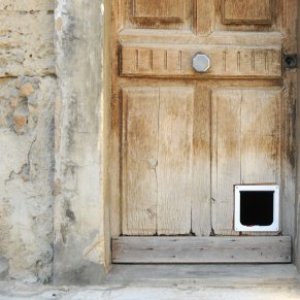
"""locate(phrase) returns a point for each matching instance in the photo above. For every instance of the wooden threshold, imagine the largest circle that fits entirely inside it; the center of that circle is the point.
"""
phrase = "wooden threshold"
(157, 250)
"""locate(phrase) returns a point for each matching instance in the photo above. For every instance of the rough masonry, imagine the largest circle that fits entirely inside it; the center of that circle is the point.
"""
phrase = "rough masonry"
(50, 121)
(27, 97)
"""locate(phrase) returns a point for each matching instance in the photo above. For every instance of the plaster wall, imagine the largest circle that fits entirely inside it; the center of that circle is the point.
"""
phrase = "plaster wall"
(51, 208)
(79, 194)
(27, 96)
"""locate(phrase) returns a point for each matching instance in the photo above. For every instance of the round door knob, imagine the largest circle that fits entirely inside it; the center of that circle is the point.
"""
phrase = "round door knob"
(201, 63)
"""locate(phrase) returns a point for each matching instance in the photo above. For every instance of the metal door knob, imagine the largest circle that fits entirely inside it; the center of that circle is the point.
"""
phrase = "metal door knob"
(201, 63)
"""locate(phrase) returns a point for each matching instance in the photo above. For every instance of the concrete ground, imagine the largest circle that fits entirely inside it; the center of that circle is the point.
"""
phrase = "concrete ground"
(205, 282)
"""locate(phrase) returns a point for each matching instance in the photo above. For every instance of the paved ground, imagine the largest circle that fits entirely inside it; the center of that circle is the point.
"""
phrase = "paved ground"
(131, 293)
(281, 282)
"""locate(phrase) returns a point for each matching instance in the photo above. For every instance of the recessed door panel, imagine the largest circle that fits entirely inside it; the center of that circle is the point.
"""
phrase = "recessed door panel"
(246, 142)
(159, 14)
(247, 11)
(157, 160)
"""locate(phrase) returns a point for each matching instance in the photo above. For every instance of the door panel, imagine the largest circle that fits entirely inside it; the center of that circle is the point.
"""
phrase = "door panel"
(201, 183)
(140, 154)
(246, 139)
(180, 139)
(247, 12)
(226, 149)
(160, 14)
(174, 167)
(260, 136)
(157, 160)
(248, 15)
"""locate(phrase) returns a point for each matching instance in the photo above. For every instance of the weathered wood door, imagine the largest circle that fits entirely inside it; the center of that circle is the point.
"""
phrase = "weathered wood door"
(182, 139)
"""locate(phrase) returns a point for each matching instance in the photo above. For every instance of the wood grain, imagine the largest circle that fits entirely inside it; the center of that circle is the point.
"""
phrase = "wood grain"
(160, 9)
(157, 160)
(226, 149)
(175, 161)
(288, 157)
(157, 250)
(260, 136)
(246, 129)
(168, 14)
(204, 15)
(180, 140)
(201, 201)
(169, 61)
(140, 154)
(247, 12)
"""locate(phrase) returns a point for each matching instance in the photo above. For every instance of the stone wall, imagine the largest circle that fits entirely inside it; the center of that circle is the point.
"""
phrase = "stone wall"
(27, 98)
(51, 125)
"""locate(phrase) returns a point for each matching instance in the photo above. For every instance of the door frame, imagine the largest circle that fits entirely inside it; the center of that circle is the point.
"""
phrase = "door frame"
(297, 116)
(115, 200)
(66, 14)
(114, 214)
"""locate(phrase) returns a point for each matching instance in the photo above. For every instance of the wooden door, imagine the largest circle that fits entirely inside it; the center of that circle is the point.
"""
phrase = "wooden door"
(182, 139)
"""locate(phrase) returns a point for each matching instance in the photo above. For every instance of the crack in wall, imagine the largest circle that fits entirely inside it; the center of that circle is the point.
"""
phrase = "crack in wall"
(24, 172)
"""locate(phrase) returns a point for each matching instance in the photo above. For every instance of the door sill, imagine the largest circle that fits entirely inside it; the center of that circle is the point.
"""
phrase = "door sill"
(160, 250)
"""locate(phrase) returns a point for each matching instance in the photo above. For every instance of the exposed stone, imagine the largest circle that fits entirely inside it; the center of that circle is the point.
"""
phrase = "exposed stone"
(19, 98)
(27, 38)
(26, 90)
(20, 119)
(27, 5)
(26, 203)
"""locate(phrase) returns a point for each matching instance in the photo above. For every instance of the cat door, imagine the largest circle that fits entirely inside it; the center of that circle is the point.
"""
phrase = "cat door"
(256, 208)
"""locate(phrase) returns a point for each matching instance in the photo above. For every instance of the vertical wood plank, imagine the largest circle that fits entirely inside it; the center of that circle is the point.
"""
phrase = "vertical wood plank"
(226, 126)
(204, 15)
(288, 160)
(288, 15)
(175, 160)
(260, 136)
(140, 154)
(201, 214)
(114, 141)
(115, 168)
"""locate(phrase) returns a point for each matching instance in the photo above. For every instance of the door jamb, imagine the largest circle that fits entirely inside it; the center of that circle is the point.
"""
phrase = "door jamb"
(105, 111)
